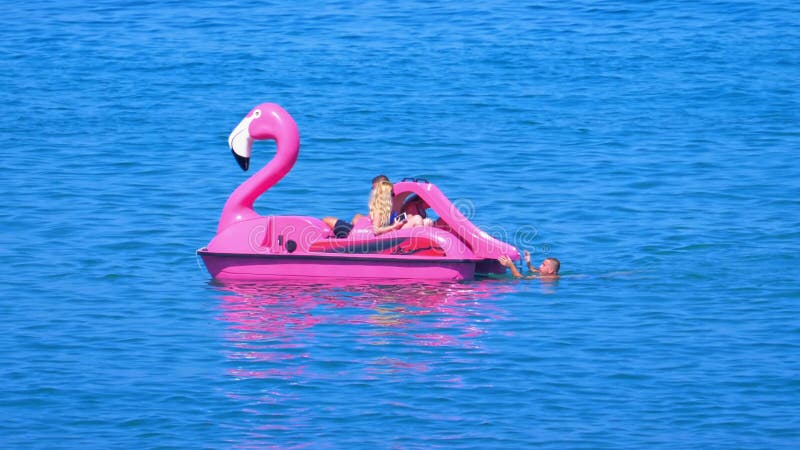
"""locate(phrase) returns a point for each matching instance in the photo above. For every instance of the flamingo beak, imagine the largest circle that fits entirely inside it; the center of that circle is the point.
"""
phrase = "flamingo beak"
(241, 143)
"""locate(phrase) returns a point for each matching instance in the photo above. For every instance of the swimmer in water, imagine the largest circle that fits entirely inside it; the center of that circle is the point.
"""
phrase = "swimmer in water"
(548, 270)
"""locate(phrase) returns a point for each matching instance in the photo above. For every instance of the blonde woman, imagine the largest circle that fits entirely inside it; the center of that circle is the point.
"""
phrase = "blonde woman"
(380, 209)
(342, 229)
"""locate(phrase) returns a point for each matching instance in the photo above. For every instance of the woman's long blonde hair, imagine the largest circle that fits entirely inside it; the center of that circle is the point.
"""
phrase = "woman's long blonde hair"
(380, 204)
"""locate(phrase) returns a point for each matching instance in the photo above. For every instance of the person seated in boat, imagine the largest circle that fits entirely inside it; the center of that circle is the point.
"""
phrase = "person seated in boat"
(342, 229)
(548, 270)
(416, 211)
(381, 209)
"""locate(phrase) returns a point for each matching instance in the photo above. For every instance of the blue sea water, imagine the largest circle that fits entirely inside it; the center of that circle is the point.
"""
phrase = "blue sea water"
(650, 146)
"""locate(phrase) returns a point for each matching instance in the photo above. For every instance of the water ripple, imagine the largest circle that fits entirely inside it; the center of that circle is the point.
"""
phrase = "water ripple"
(648, 146)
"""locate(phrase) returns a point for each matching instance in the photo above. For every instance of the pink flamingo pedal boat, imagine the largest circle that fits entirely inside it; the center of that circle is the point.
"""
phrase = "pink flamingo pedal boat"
(249, 246)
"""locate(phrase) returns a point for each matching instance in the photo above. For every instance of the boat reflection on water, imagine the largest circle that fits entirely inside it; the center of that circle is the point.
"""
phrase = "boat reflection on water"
(278, 329)
(298, 355)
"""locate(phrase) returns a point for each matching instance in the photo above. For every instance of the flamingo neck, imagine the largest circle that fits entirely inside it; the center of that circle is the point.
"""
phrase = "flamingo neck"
(239, 206)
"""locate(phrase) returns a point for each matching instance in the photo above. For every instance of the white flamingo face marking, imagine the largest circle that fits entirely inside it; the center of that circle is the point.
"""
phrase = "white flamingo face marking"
(240, 140)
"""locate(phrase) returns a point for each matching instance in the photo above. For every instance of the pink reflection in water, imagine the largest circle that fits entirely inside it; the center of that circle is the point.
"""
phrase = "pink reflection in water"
(275, 322)
(267, 373)
(287, 335)
(274, 310)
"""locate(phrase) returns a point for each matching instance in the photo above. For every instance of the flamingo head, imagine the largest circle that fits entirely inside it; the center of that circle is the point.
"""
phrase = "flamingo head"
(265, 121)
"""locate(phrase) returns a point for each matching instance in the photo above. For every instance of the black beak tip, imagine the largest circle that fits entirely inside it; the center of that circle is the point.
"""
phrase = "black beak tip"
(244, 163)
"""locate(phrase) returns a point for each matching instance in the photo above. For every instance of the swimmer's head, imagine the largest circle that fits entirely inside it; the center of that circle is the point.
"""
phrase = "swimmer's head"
(550, 266)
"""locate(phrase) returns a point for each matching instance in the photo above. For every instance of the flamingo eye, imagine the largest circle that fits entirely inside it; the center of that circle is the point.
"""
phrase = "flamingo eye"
(257, 114)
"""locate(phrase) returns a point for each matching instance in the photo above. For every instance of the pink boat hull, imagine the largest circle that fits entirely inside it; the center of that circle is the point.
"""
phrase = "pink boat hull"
(287, 247)
(281, 267)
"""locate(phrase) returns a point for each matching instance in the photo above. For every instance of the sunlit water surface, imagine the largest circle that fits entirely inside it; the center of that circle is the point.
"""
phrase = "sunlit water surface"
(651, 147)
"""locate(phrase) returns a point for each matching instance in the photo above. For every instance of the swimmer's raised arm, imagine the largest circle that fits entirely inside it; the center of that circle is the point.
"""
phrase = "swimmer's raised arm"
(528, 262)
(507, 262)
